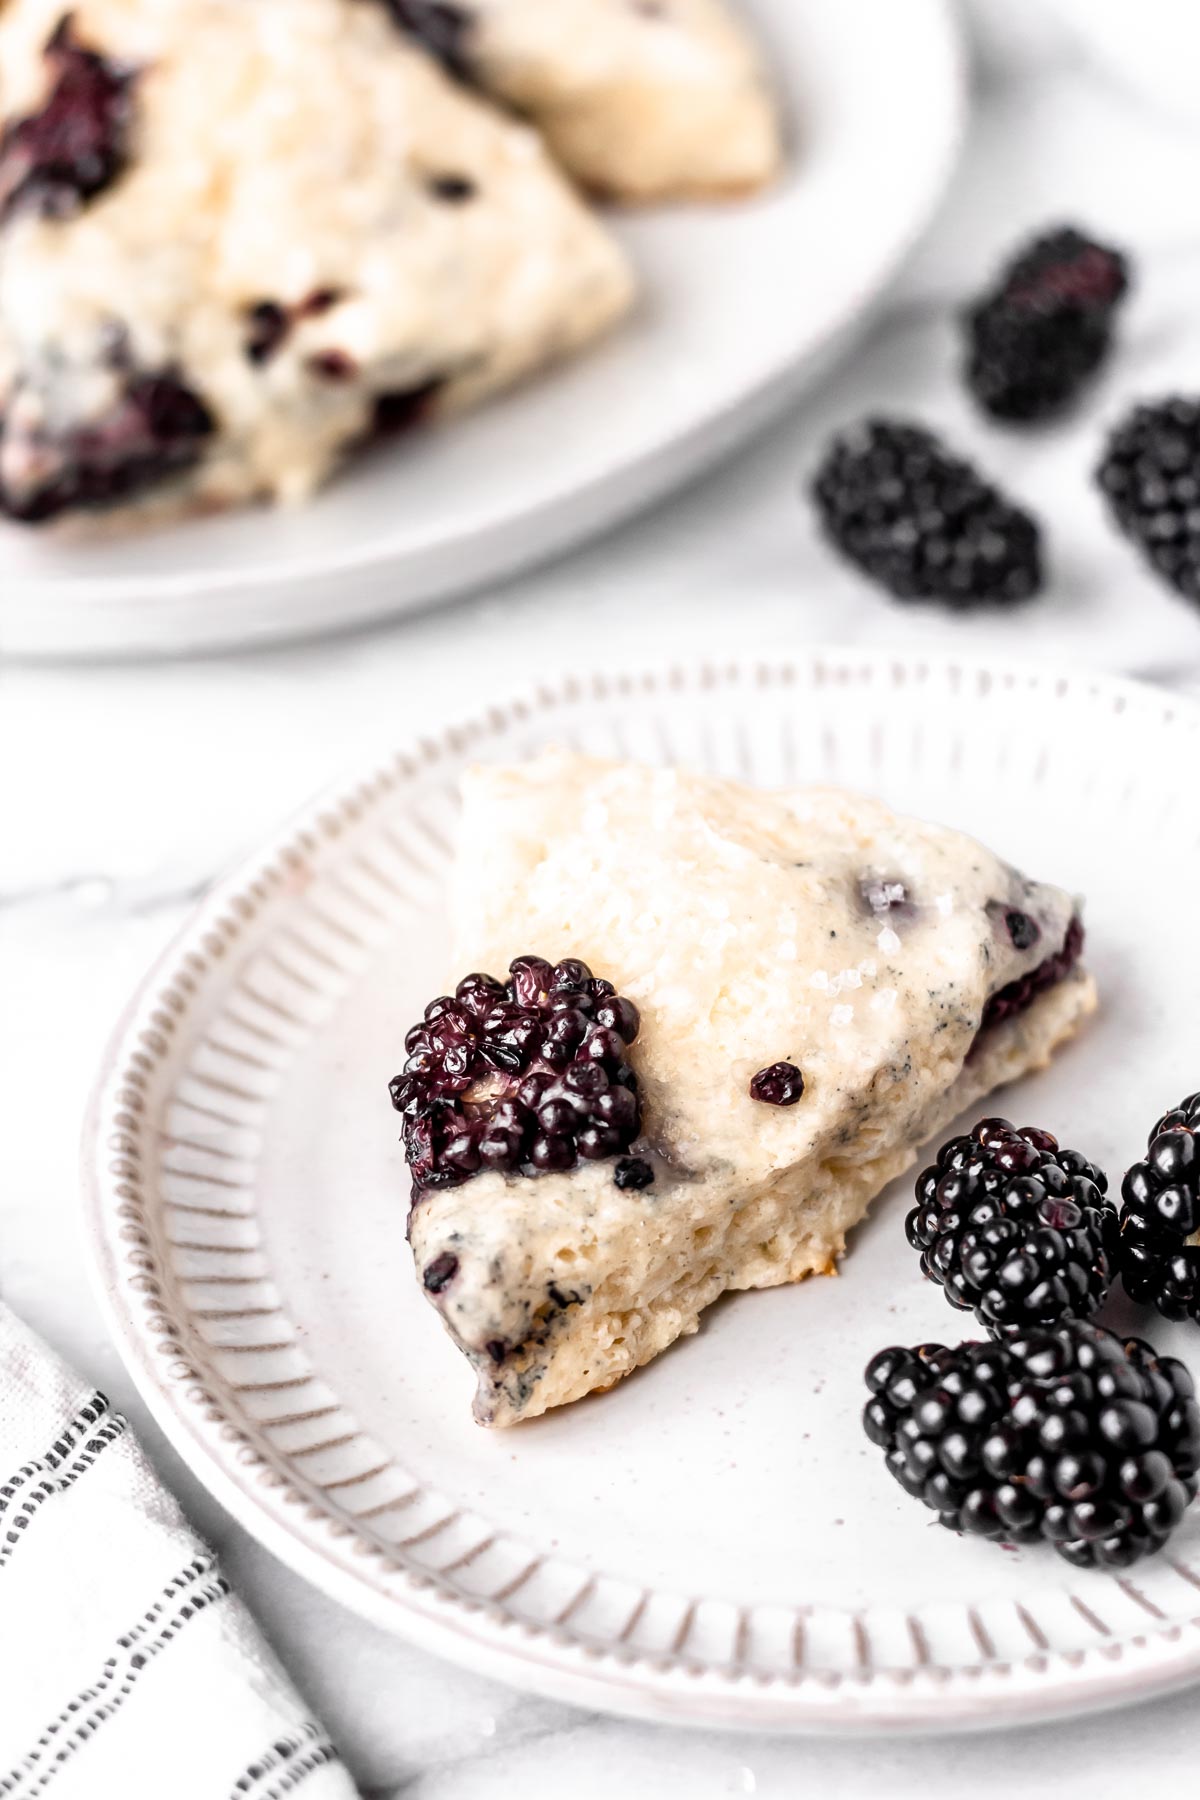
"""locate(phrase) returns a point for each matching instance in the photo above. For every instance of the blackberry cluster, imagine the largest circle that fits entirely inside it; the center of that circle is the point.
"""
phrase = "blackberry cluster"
(1150, 478)
(522, 1076)
(922, 522)
(1071, 1435)
(1035, 338)
(156, 429)
(1015, 1229)
(54, 160)
(1021, 993)
(1159, 1267)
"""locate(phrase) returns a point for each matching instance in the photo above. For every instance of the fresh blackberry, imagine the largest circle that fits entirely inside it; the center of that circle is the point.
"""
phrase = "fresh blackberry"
(1070, 1434)
(1014, 1229)
(1150, 477)
(56, 159)
(1034, 338)
(523, 1076)
(1160, 1226)
(922, 522)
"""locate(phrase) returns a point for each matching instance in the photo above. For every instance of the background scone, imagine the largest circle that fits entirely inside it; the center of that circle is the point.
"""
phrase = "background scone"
(901, 968)
(640, 99)
(238, 237)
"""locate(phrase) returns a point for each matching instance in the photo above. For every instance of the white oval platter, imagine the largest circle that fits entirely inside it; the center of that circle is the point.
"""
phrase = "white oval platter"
(714, 1541)
(743, 304)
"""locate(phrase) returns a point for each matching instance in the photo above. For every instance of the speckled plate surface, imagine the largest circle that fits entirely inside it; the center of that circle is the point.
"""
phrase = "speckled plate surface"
(714, 1540)
(742, 304)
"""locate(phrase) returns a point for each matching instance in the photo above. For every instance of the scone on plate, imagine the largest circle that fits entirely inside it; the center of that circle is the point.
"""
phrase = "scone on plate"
(732, 1017)
(640, 99)
(240, 237)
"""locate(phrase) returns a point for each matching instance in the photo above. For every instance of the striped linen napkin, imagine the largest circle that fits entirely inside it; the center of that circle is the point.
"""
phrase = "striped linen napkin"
(127, 1667)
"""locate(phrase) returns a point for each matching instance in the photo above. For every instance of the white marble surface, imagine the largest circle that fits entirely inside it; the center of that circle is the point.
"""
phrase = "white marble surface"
(124, 790)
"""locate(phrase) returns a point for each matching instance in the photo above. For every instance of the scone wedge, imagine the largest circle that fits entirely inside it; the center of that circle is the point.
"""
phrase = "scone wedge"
(640, 99)
(899, 968)
(239, 238)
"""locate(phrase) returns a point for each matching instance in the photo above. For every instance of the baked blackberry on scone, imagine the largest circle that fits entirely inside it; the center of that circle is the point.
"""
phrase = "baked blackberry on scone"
(639, 99)
(240, 237)
(707, 1024)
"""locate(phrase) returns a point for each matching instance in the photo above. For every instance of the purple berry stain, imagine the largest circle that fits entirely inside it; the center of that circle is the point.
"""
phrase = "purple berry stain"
(56, 159)
(154, 429)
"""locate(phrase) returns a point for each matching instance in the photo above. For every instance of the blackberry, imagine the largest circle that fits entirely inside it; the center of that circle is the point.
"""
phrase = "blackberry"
(781, 1084)
(1070, 1434)
(523, 1076)
(270, 322)
(267, 326)
(1034, 338)
(1014, 1229)
(399, 411)
(922, 522)
(1160, 1226)
(1017, 995)
(156, 428)
(54, 160)
(442, 28)
(1150, 477)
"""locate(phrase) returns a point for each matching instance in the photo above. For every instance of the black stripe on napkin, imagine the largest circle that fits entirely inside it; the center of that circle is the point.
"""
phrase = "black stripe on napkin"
(196, 1587)
(89, 1413)
(288, 1760)
(22, 1512)
(317, 1758)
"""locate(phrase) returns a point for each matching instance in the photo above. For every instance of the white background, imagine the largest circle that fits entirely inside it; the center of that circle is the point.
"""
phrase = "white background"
(124, 790)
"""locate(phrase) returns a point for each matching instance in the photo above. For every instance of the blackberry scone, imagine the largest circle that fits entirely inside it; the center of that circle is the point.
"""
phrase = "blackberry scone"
(639, 99)
(240, 237)
(714, 1023)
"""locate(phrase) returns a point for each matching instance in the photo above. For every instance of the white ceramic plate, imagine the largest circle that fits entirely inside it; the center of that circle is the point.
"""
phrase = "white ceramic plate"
(743, 302)
(715, 1540)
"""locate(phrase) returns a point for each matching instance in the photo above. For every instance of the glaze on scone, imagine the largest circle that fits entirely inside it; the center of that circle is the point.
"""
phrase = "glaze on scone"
(286, 230)
(876, 953)
(640, 99)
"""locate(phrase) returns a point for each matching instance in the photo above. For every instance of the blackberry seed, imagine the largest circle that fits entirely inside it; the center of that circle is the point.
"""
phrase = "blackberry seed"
(440, 1272)
(1160, 1264)
(267, 325)
(452, 190)
(922, 522)
(1014, 1229)
(1068, 1434)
